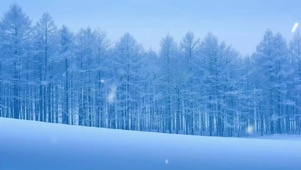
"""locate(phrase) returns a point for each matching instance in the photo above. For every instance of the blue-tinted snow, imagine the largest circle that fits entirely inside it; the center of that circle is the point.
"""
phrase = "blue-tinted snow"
(43, 146)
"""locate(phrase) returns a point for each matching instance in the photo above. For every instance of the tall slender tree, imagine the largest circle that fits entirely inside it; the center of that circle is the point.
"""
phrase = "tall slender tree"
(168, 54)
(65, 52)
(128, 55)
(15, 36)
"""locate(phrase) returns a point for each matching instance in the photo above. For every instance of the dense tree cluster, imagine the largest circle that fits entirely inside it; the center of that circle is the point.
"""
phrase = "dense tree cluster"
(200, 87)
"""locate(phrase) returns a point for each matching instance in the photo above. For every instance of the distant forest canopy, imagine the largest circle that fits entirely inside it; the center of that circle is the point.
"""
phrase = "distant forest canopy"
(198, 87)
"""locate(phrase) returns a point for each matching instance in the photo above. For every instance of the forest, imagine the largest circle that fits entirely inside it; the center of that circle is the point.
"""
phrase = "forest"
(195, 86)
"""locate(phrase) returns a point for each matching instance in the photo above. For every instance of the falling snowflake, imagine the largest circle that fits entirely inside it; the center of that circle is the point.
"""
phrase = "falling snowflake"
(166, 161)
(295, 27)
(112, 94)
(250, 129)
(102, 81)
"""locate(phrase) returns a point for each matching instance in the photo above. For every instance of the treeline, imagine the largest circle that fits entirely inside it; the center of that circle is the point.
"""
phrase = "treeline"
(200, 87)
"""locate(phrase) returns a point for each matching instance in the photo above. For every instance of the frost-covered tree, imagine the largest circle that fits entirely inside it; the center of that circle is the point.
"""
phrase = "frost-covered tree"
(168, 56)
(86, 45)
(149, 119)
(211, 63)
(217, 66)
(127, 64)
(66, 49)
(15, 28)
(45, 45)
(103, 67)
(191, 79)
(271, 56)
(295, 87)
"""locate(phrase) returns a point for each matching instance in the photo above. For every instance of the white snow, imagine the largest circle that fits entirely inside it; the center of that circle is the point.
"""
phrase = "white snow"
(280, 137)
(36, 145)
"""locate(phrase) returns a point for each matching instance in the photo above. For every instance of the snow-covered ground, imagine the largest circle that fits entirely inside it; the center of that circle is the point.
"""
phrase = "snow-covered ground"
(280, 137)
(43, 146)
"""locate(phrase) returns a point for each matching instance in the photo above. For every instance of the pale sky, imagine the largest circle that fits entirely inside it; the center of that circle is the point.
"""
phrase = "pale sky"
(239, 23)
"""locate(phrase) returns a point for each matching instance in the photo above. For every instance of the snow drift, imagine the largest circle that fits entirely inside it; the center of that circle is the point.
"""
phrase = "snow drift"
(36, 145)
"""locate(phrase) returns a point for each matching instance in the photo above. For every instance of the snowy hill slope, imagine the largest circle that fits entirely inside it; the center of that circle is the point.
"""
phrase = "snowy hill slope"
(42, 146)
